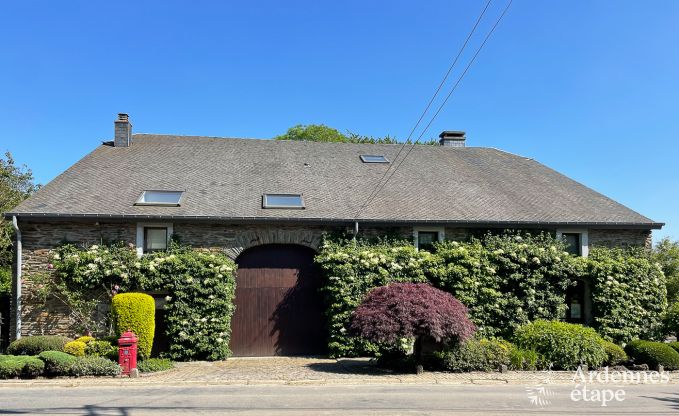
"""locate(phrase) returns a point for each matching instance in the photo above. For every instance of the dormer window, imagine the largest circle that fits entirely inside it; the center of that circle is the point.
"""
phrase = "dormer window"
(284, 201)
(160, 198)
(374, 159)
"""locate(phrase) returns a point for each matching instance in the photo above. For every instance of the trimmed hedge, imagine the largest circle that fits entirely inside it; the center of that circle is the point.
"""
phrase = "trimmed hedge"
(137, 312)
(12, 366)
(614, 353)
(564, 345)
(474, 355)
(34, 345)
(94, 366)
(76, 348)
(102, 348)
(653, 354)
(57, 363)
(153, 365)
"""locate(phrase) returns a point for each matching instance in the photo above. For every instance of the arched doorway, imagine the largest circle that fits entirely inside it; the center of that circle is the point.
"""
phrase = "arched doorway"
(278, 308)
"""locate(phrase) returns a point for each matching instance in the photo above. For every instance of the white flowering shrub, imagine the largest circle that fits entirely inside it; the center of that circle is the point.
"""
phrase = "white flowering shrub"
(629, 295)
(201, 288)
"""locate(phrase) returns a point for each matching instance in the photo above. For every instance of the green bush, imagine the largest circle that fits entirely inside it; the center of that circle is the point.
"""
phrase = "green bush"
(653, 354)
(85, 339)
(614, 353)
(34, 345)
(76, 348)
(671, 319)
(101, 348)
(57, 363)
(564, 345)
(528, 360)
(674, 345)
(94, 366)
(474, 355)
(152, 365)
(12, 366)
(135, 311)
(628, 294)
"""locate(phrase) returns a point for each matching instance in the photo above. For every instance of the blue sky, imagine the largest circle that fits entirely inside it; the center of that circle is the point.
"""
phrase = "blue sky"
(589, 88)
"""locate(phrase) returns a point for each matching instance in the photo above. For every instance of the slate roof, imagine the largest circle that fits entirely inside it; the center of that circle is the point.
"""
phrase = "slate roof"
(224, 179)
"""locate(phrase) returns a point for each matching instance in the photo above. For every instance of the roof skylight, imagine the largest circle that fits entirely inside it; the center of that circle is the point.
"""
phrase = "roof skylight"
(160, 198)
(289, 201)
(374, 159)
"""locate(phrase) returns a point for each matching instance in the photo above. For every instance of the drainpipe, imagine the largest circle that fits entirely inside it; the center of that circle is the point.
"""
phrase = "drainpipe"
(17, 300)
(355, 229)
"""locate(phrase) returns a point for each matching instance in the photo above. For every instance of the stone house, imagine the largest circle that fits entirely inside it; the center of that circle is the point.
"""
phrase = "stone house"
(267, 203)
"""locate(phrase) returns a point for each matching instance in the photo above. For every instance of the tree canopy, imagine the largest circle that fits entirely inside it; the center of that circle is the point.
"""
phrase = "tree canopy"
(667, 254)
(16, 184)
(323, 133)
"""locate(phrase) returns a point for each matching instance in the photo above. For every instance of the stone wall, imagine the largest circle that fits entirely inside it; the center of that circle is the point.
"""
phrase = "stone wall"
(51, 317)
(620, 238)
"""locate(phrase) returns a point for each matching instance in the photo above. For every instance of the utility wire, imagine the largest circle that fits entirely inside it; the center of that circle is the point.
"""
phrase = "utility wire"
(426, 109)
(476, 54)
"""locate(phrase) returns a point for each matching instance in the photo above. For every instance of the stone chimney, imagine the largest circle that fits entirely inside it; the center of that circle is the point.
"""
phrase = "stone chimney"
(452, 138)
(122, 131)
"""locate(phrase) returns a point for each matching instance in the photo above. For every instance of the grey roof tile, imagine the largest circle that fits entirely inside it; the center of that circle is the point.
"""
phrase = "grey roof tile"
(225, 178)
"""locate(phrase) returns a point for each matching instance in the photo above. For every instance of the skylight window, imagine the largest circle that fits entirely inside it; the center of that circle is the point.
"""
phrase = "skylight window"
(160, 198)
(374, 159)
(289, 201)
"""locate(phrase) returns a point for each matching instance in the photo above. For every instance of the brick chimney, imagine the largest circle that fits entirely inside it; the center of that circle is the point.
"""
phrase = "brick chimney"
(122, 131)
(452, 138)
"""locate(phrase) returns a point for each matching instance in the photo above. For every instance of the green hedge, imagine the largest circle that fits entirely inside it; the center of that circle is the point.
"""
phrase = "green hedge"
(474, 355)
(136, 312)
(75, 348)
(628, 294)
(34, 345)
(564, 345)
(674, 345)
(57, 363)
(614, 353)
(12, 366)
(653, 354)
(672, 319)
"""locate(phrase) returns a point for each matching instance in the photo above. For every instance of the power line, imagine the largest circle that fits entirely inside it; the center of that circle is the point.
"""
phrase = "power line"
(426, 109)
(476, 54)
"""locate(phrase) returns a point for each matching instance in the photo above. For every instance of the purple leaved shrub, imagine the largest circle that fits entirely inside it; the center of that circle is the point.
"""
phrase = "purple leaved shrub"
(411, 310)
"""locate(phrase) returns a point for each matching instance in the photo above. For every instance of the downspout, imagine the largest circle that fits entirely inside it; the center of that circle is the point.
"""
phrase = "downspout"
(17, 300)
(355, 229)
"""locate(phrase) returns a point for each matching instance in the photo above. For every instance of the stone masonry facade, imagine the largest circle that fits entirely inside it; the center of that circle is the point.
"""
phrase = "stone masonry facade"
(52, 317)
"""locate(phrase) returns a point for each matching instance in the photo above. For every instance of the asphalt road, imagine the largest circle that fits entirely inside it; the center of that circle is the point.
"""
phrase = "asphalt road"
(330, 399)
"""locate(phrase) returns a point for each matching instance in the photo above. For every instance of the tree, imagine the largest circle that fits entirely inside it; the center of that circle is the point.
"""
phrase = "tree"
(16, 184)
(411, 311)
(323, 133)
(667, 254)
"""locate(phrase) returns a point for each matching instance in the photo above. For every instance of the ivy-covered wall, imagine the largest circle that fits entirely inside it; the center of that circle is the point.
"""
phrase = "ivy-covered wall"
(506, 280)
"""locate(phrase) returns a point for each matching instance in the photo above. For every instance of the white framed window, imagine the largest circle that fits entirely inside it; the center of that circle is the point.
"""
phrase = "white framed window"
(577, 240)
(153, 237)
(374, 159)
(284, 201)
(160, 198)
(425, 237)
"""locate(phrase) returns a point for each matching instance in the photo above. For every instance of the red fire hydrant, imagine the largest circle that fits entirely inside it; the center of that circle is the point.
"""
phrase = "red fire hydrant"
(127, 352)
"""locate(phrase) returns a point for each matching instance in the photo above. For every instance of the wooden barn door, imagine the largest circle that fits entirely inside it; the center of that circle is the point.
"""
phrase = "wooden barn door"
(278, 307)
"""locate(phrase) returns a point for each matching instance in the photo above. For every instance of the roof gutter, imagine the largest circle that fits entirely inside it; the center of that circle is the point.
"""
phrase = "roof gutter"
(372, 221)
(17, 278)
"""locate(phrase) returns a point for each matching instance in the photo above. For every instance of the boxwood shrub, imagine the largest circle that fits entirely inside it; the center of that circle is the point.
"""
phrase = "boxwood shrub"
(57, 363)
(653, 354)
(674, 345)
(102, 348)
(135, 311)
(34, 345)
(76, 348)
(614, 353)
(94, 366)
(12, 366)
(474, 355)
(564, 345)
